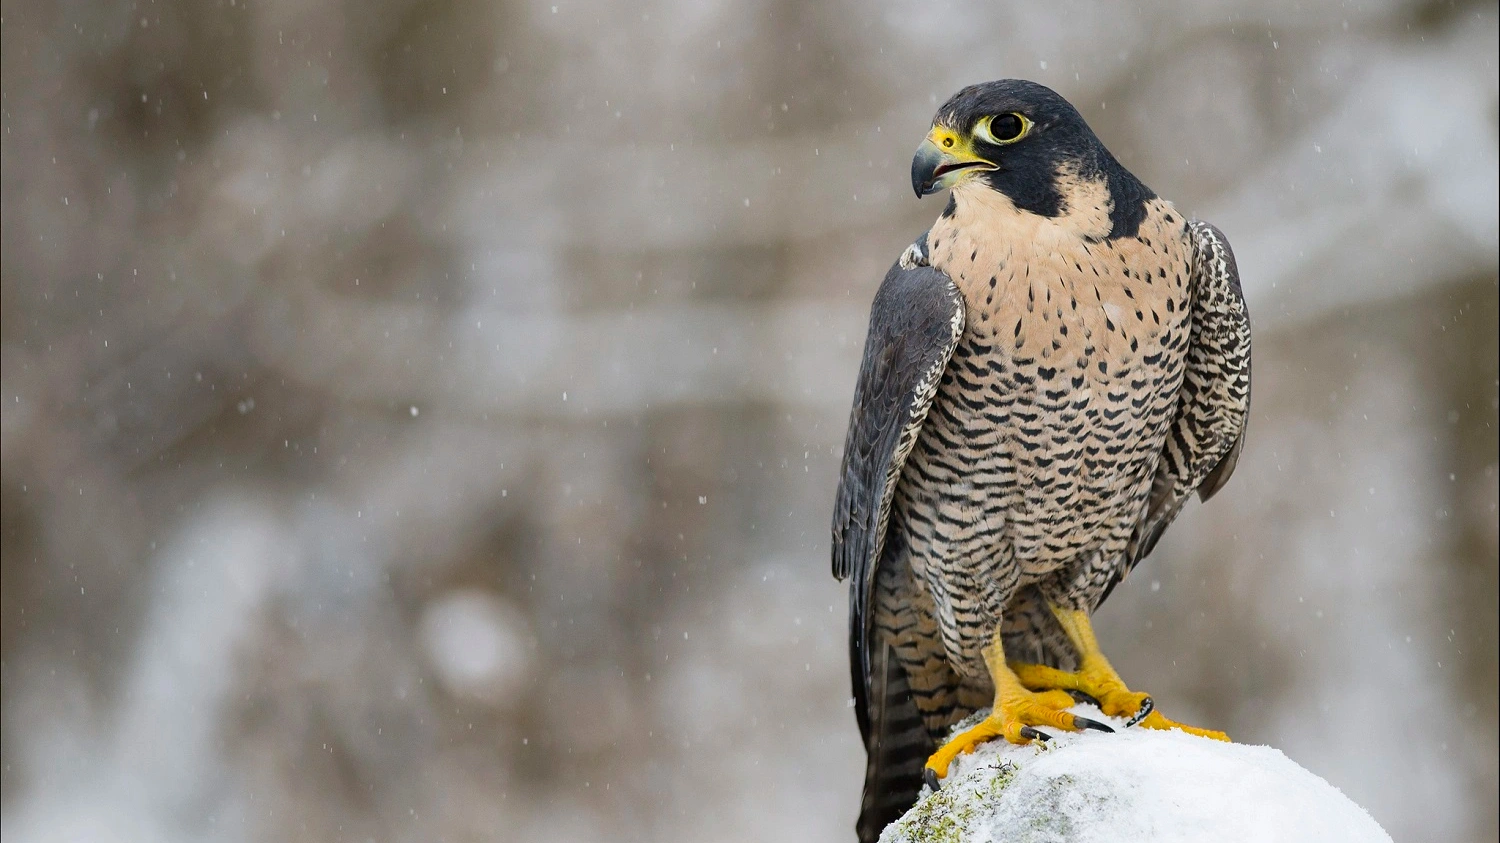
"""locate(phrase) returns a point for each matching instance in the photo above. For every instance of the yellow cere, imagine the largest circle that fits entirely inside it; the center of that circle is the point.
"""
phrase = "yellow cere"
(953, 143)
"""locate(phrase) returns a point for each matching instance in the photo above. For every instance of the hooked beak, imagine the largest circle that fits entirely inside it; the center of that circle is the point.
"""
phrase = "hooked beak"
(941, 160)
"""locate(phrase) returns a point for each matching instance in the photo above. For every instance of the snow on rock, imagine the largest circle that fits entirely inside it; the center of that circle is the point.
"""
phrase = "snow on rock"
(1134, 785)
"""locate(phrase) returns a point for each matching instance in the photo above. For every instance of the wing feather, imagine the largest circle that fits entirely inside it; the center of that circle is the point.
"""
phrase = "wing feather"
(915, 323)
(1208, 431)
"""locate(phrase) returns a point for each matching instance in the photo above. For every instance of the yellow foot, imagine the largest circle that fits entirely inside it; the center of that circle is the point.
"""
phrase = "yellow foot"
(1016, 715)
(1100, 682)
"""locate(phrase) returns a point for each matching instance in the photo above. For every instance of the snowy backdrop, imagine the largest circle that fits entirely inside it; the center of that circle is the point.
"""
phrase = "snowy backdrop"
(420, 419)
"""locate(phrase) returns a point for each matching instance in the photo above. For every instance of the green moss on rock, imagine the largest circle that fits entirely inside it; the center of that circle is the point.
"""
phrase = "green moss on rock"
(951, 814)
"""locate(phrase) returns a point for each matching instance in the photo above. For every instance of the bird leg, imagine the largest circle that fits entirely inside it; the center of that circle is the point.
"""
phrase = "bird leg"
(1097, 678)
(1016, 714)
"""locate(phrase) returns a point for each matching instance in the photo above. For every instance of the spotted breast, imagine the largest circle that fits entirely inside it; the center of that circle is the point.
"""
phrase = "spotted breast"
(1036, 461)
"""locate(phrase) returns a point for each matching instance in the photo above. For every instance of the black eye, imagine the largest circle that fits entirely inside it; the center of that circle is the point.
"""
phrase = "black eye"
(1004, 128)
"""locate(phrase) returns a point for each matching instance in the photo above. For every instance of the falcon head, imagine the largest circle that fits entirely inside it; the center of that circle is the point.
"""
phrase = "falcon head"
(1020, 139)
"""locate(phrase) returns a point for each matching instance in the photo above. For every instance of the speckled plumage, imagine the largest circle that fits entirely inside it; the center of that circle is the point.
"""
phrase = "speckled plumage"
(1039, 450)
(1100, 376)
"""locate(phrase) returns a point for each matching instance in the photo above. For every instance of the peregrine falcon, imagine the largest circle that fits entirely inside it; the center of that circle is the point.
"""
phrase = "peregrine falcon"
(1050, 373)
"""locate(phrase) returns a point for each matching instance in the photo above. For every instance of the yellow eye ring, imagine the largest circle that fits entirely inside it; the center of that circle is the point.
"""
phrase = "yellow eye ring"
(1012, 127)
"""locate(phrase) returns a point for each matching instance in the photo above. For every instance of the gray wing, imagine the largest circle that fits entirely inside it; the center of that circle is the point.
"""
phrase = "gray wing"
(1208, 433)
(915, 322)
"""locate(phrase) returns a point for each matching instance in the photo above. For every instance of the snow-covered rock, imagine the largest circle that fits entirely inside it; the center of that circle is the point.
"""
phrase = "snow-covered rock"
(1134, 785)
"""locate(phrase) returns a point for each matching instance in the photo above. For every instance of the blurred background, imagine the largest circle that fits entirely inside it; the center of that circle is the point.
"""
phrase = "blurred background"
(421, 419)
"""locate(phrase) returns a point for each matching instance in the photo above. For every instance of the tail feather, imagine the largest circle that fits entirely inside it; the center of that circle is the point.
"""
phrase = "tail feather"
(896, 747)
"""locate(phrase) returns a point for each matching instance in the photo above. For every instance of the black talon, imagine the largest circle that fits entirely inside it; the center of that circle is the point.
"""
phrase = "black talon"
(1085, 723)
(1147, 706)
(1032, 734)
(1081, 697)
(930, 776)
